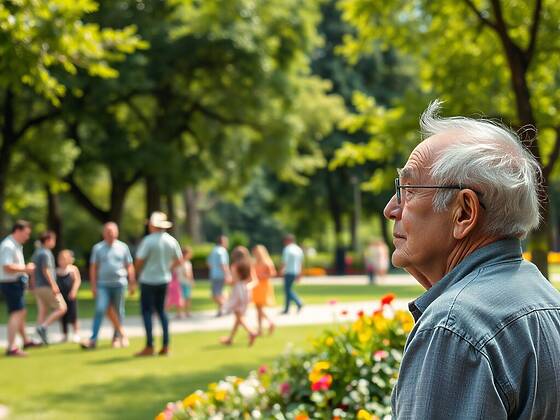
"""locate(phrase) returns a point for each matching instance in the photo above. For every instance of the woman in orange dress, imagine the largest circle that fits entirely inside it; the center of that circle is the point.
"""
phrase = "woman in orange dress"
(263, 292)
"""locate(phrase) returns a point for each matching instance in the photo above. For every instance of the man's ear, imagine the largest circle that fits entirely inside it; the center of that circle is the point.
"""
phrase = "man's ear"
(466, 214)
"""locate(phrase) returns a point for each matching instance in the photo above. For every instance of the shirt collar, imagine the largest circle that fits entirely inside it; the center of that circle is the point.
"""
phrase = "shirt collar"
(495, 252)
(16, 243)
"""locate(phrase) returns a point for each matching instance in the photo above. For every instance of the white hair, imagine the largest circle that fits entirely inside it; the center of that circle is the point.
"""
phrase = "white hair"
(490, 159)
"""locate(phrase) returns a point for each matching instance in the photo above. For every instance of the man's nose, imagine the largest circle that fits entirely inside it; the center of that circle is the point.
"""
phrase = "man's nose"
(392, 209)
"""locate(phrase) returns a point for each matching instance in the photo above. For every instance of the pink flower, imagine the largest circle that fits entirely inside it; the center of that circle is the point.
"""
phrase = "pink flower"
(263, 369)
(333, 302)
(323, 384)
(379, 355)
(285, 389)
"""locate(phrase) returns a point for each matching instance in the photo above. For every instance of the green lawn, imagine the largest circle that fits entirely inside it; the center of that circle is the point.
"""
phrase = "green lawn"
(202, 301)
(64, 382)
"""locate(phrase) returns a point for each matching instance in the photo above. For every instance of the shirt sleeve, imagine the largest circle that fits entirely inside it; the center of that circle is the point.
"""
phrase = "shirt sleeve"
(94, 255)
(6, 255)
(443, 376)
(223, 257)
(142, 251)
(178, 252)
(127, 255)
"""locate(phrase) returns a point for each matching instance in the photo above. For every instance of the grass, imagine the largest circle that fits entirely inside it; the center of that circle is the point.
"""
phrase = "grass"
(319, 294)
(63, 381)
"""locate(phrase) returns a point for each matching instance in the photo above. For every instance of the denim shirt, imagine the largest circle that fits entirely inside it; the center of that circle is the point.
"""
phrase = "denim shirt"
(486, 343)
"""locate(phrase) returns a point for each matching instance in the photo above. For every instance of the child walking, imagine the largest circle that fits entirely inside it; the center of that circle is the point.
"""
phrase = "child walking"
(180, 289)
(68, 280)
(242, 272)
(263, 292)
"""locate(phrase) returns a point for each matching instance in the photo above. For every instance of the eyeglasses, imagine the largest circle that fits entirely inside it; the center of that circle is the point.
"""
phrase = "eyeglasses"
(399, 187)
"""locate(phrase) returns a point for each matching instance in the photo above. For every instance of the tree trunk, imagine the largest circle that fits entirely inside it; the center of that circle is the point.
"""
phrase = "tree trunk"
(153, 196)
(54, 218)
(170, 204)
(118, 196)
(193, 220)
(8, 141)
(336, 214)
(518, 62)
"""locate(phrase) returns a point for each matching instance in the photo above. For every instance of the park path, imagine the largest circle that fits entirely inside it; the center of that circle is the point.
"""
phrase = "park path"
(326, 313)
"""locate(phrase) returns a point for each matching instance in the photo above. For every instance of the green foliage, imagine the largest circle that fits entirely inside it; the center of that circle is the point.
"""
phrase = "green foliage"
(39, 38)
(458, 57)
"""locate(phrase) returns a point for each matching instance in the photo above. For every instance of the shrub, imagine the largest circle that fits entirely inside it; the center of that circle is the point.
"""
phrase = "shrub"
(348, 374)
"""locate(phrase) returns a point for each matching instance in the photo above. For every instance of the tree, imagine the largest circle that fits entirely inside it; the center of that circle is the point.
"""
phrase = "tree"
(478, 55)
(40, 42)
(224, 87)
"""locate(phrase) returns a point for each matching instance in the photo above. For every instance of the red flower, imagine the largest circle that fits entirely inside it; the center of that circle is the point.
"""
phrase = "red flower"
(285, 389)
(263, 369)
(387, 299)
(322, 384)
(378, 311)
(344, 312)
(360, 313)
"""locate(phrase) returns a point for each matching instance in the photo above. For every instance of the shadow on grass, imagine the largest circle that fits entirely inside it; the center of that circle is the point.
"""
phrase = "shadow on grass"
(140, 398)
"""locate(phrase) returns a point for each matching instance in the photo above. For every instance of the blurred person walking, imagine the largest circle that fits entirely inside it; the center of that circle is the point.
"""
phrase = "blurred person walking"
(243, 280)
(14, 275)
(158, 254)
(218, 263)
(111, 270)
(263, 292)
(47, 292)
(292, 259)
(69, 280)
(180, 288)
(376, 258)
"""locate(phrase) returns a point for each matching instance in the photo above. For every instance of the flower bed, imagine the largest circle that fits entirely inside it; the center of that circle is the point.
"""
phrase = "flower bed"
(348, 374)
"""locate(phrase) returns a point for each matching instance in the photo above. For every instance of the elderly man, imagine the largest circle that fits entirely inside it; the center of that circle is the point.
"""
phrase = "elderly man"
(14, 274)
(157, 255)
(110, 271)
(486, 343)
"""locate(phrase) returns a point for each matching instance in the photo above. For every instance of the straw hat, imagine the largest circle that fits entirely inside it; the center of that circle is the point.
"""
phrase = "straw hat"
(159, 220)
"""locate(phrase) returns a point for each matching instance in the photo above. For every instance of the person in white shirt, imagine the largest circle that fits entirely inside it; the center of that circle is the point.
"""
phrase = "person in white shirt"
(292, 259)
(14, 274)
(158, 254)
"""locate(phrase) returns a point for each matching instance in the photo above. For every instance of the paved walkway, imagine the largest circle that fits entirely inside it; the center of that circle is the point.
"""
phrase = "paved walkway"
(207, 321)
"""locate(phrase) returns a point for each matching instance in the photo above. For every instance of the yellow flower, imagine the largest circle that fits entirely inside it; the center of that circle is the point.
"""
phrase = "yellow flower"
(380, 323)
(322, 365)
(364, 415)
(329, 341)
(238, 381)
(160, 416)
(364, 337)
(212, 386)
(220, 395)
(191, 400)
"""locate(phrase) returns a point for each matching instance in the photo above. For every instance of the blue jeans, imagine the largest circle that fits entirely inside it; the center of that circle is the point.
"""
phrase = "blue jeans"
(152, 299)
(289, 280)
(106, 295)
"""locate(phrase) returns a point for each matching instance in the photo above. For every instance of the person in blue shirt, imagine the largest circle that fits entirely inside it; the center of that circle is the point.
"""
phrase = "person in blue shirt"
(219, 273)
(486, 342)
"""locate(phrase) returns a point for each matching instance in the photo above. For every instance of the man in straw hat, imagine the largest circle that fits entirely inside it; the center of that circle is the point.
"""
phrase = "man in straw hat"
(157, 255)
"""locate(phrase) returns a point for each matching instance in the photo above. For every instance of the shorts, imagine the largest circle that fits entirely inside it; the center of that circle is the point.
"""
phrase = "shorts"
(217, 286)
(186, 290)
(14, 293)
(46, 296)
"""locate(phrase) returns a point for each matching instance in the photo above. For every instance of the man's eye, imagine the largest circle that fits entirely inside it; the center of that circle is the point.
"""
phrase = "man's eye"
(408, 192)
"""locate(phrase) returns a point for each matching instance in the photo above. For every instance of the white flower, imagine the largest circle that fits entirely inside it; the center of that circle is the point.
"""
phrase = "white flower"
(256, 414)
(247, 391)
(225, 386)
(218, 416)
(355, 396)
